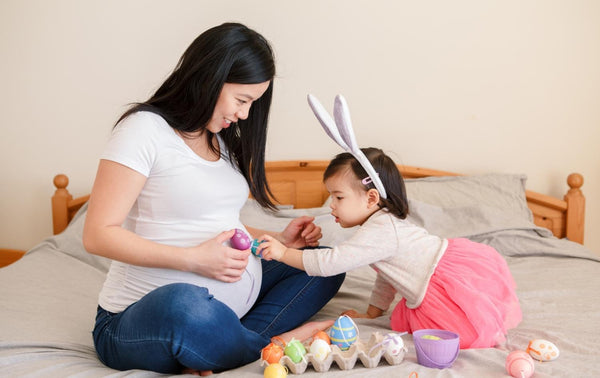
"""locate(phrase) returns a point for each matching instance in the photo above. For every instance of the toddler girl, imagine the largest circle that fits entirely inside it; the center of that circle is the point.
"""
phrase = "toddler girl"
(452, 284)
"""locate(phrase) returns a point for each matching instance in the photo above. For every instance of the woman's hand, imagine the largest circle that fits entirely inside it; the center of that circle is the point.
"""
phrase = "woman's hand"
(301, 232)
(212, 259)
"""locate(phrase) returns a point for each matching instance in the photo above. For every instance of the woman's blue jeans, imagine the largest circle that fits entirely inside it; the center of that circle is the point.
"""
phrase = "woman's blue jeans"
(183, 325)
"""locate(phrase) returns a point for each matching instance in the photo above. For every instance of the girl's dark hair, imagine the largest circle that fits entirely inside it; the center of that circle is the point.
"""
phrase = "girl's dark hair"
(396, 201)
(228, 53)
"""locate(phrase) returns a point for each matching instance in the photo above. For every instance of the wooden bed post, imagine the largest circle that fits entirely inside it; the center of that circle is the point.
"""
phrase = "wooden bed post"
(60, 204)
(575, 209)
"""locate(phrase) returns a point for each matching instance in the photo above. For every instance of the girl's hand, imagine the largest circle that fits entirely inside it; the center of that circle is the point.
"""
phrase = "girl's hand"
(271, 248)
(372, 313)
(214, 260)
(301, 232)
(356, 314)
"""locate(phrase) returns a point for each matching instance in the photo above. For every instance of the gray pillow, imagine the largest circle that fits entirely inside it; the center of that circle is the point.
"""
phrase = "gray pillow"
(448, 206)
(70, 243)
(462, 206)
(490, 209)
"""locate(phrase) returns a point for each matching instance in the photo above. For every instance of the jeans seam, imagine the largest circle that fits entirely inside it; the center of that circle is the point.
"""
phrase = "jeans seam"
(291, 304)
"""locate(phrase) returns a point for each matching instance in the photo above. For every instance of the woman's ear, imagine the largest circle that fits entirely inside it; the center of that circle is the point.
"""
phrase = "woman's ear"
(372, 198)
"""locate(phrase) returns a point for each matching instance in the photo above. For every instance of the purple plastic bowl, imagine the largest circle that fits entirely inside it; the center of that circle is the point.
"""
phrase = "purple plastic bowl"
(436, 353)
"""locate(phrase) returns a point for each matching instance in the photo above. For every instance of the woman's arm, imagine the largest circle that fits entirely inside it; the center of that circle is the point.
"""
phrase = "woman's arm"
(300, 232)
(114, 192)
(256, 232)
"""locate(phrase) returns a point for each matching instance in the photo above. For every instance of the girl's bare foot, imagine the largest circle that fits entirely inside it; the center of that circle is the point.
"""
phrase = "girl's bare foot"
(306, 330)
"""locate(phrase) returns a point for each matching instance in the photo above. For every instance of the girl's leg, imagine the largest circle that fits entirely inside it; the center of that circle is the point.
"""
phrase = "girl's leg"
(172, 327)
(288, 297)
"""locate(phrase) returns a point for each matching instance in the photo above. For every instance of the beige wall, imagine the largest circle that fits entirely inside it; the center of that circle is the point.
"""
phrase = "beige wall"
(467, 86)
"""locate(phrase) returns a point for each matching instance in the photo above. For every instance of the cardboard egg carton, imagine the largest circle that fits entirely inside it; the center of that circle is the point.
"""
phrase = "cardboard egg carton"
(369, 354)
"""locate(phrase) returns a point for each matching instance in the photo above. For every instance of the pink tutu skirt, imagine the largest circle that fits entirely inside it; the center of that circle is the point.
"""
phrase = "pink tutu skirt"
(471, 293)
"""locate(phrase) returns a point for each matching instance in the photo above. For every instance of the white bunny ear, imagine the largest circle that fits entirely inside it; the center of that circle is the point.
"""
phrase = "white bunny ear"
(342, 133)
(326, 121)
(341, 113)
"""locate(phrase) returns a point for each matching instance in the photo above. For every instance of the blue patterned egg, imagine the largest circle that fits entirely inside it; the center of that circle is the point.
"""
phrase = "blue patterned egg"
(343, 333)
(254, 247)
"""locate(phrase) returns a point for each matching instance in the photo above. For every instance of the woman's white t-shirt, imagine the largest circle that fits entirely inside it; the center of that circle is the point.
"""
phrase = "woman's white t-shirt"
(185, 201)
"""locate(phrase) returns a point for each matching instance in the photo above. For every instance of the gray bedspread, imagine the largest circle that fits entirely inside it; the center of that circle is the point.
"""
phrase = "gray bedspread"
(48, 301)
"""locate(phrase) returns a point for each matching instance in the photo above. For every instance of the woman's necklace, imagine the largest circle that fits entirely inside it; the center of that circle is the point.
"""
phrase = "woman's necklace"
(199, 144)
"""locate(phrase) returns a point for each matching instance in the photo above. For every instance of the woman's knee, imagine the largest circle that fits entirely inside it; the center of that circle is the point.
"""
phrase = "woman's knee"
(334, 283)
(191, 305)
(181, 292)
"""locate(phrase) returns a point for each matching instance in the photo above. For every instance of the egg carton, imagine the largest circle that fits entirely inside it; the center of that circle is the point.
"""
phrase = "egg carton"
(368, 353)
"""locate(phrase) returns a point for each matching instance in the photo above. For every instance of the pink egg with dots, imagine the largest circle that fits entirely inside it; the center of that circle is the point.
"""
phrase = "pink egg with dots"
(240, 240)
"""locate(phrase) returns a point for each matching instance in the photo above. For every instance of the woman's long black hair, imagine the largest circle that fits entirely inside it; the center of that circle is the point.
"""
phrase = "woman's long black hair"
(391, 178)
(228, 53)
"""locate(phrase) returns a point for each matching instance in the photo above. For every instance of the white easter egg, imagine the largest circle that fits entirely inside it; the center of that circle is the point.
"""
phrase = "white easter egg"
(320, 349)
(542, 350)
(393, 344)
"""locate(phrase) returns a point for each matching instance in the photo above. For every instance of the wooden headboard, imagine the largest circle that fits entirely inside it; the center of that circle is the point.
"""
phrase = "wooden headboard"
(300, 183)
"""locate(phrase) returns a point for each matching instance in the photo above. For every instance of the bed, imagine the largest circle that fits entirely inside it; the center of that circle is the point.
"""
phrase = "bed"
(48, 297)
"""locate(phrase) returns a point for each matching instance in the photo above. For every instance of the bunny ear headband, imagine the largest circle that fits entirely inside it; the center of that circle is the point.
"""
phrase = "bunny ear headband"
(341, 132)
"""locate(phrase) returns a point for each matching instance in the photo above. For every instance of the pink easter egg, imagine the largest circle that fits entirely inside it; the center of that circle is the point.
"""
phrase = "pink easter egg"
(519, 364)
(240, 240)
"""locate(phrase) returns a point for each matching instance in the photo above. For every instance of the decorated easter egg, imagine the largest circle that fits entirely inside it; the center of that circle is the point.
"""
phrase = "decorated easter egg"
(519, 364)
(240, 240)
(272, 353)
(295, 350)
(320, 349)
(542, 350)
(430, 337)
(323, 336)
(394, 344)
(254, 247)
(275, 370)
(343, 333)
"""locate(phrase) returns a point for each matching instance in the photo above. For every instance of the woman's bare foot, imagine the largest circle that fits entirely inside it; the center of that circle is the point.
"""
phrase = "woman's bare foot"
(204, 373)
(301, 333)
(306, 330)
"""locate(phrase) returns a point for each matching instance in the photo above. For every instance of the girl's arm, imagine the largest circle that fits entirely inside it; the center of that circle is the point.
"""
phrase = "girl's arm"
(114, 192)
(382, 296)
(272, 249)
